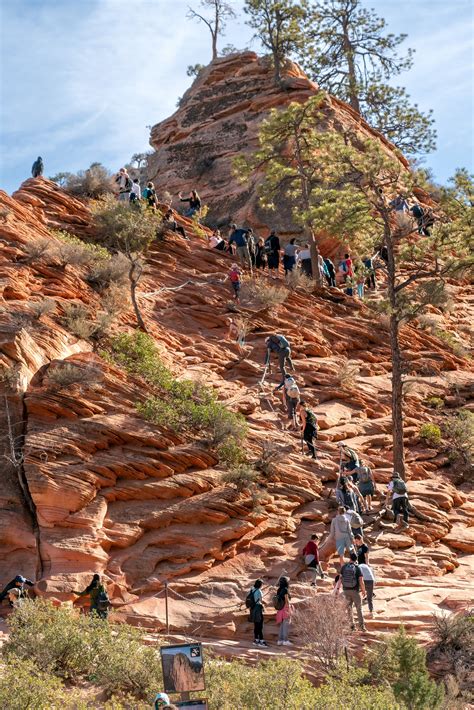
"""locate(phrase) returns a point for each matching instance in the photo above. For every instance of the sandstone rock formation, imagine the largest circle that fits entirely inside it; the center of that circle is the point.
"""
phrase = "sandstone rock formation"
(91, 486)
(219, 118)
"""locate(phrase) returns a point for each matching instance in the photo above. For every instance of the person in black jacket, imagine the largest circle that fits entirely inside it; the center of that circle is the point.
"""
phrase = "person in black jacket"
(18, 583)
(256, 613)
(194, 203)
(98, 596)
(272, 249)
(37, 167)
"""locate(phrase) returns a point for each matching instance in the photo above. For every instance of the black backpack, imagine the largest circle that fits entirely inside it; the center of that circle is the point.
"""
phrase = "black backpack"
(250, 599)
(399, 486)
(103, 601)
(349, 576)
(278, 601)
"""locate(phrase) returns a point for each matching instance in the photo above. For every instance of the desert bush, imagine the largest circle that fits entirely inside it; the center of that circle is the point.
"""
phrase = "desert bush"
(297, 280)
(348, 690)
(93, 182)
(115, 300)
(410, 679)
(77, 319)
(270, 456)
(451, 341)
(24, 687)
(323, 626)
(434, 402)
(110, 271)
(459, 431)
(348, 374)
(45, 307)
(431, 433)
(39, 248)
(242, 478)
(66, 374)
(262, 293)
(10, 376)
(69, 249)
(453, 632)
(231, 453)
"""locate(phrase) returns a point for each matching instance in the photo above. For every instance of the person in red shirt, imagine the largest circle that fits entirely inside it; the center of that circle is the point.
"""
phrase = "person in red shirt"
(311, 558)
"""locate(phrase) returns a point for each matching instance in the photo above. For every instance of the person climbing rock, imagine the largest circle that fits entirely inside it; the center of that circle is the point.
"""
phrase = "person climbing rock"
(370, 281)
(347, 272)
(311, 558)
(124, 185)
(38, 167)
(331, 270)
(239, 238)
(260, 255)
(279, 344)
(272, 249)
(397, 489)
(149, 196)
(424, 219)
(20, 583)
(361, 549)
(369, 584)
(341, 531)
(348, 495)
(171, 224)
(291, 398)
(309, 427)
(100, 602)
(281, 602)
(234, 277)
(254, 602)
(349, 461)
(135, 192)
(366, 484)
(289, 256)
(194, 203)
(352, 583)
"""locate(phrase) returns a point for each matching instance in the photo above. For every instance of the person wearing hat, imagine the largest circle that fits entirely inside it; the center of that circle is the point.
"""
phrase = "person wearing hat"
(18, 583)
(161, 700)
(397, 489)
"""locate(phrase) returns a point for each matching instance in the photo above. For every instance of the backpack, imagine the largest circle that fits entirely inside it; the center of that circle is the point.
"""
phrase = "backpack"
(365, 474)
(128, 183)
(234, 276)
(250, 600)
(103, 601)
(417, 211)
(399, 486)
(283, 342)
(349, 576)
(292, 390)
(278, 602)
(311, 418)
(356, 520)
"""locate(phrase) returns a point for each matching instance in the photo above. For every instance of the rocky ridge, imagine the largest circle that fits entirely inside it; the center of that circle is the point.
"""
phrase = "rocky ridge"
(99, 489)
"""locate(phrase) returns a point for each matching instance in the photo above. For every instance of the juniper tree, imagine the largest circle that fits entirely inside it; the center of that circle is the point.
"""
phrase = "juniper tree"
(349, 53)
(218, 12)
(277, 24)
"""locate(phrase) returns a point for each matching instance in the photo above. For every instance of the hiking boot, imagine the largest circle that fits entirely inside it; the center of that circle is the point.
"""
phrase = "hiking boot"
(280, 643)
(263, 643)
(287, 643)
(256, 642)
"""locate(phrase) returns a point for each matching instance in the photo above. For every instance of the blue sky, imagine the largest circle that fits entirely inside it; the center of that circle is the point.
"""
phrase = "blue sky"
(81, 79)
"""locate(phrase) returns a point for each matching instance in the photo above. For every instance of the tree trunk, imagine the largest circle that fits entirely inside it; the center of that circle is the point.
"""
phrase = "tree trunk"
(214, 46)
(133, 295)
(349, 52)
(314, 251)
(397, 364)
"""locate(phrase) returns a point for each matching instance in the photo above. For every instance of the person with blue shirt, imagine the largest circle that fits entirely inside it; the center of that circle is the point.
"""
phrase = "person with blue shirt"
(239, 237)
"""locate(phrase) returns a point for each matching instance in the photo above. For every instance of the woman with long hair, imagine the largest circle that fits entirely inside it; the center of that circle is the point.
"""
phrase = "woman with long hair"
(283, 617)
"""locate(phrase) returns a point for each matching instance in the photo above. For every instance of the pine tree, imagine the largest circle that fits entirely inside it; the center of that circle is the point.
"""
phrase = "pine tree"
(410, 679)
(349, 53)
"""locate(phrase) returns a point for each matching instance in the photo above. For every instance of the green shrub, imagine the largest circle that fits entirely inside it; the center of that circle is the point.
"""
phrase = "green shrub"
(431, 433)
(349, 691)
(434, 402)
(24, 687)
(72, 250)
(105, 272)
(459, 430)
(451, 341)
(93, 182)
(242, 478)
(411, 681)
(231, 453)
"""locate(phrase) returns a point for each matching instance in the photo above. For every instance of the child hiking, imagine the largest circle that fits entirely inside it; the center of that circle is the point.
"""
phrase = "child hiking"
(234, 277)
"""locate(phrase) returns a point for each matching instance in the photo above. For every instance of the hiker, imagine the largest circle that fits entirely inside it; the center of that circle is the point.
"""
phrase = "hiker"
(341, 531)
(366, 485)
(291, 397)
(347, 272)
(424, 220)
(355, 521)
(161, 701)
(289, 256)
(281, 602)
(149, 195)
(349, 461)
(303, 258)
(311, 558)
(398, 490)
(309, 427)
(352, 583)
(369, 582)
(323, 271)
(280, 345)
(361, 549)
(260, 255)
(383, 253)
(239, 238)
(37, 167)
(254, 602)
(360, 277)
(18, 583)
(135, 192)
(97, 592)
(15, 598)
(348, 495)
(194, 203)
(252, 247)
(124, 185)
(235, 281)
(215, 241)
(370, 282)
(331, 272)
(170, 223)
(272, 249)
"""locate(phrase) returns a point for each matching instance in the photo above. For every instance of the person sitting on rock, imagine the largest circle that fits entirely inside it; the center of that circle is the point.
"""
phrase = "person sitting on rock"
(290, 397)
(341, 531)
(216, 241)
(171, 224)
(97, 592)
(194, 203)
(311, 559)
(272, 249)
(397, 489)
(20, 583)
(239, 238)
(279, 344)
(255, 602)
(309, 427)
(38, 167)
(352, 583)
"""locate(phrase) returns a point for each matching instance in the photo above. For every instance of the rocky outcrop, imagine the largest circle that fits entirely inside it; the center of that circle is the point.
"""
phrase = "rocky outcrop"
(219, 118)
(99, 489)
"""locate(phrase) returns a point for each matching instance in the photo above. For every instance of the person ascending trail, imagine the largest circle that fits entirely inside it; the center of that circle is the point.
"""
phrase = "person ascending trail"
(397, 488)
(279, 344)
(37, 167)
(331, 272)
(291, 397)
(100, 602)
(309, 427)
(349, 461)
(311, 559)
(341, 532)
(239, 237)
(366, 484)
(352, 582)
(149, 195)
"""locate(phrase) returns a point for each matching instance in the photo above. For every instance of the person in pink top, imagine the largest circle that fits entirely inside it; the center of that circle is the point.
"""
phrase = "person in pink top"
(283, 617)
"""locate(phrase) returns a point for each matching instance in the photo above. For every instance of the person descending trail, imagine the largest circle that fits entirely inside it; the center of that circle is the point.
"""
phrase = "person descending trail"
(341, 531)
(194, 203)
(239, 238)
(170, 223)
(397, 488)
(331, 272)
(234, 277)
(280, 345)
(366, 484)
(124, 185)
(361, 549)
(304, 260)
(20, 583)
(272, 250)
(311, 559)
(309, 427)
(149, 196)
(352, 583)
(254, 602)
(290, 253)
(100, 602)
(38, 167)
(291, 398)
(281, 602)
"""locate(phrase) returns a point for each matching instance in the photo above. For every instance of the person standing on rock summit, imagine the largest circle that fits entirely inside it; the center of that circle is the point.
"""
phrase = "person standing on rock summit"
(38, 167)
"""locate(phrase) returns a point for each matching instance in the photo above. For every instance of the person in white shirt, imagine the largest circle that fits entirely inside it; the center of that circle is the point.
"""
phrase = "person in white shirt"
(369, 581)
(304, 258)
(216, 241)
(124, 184)
(135, 192)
